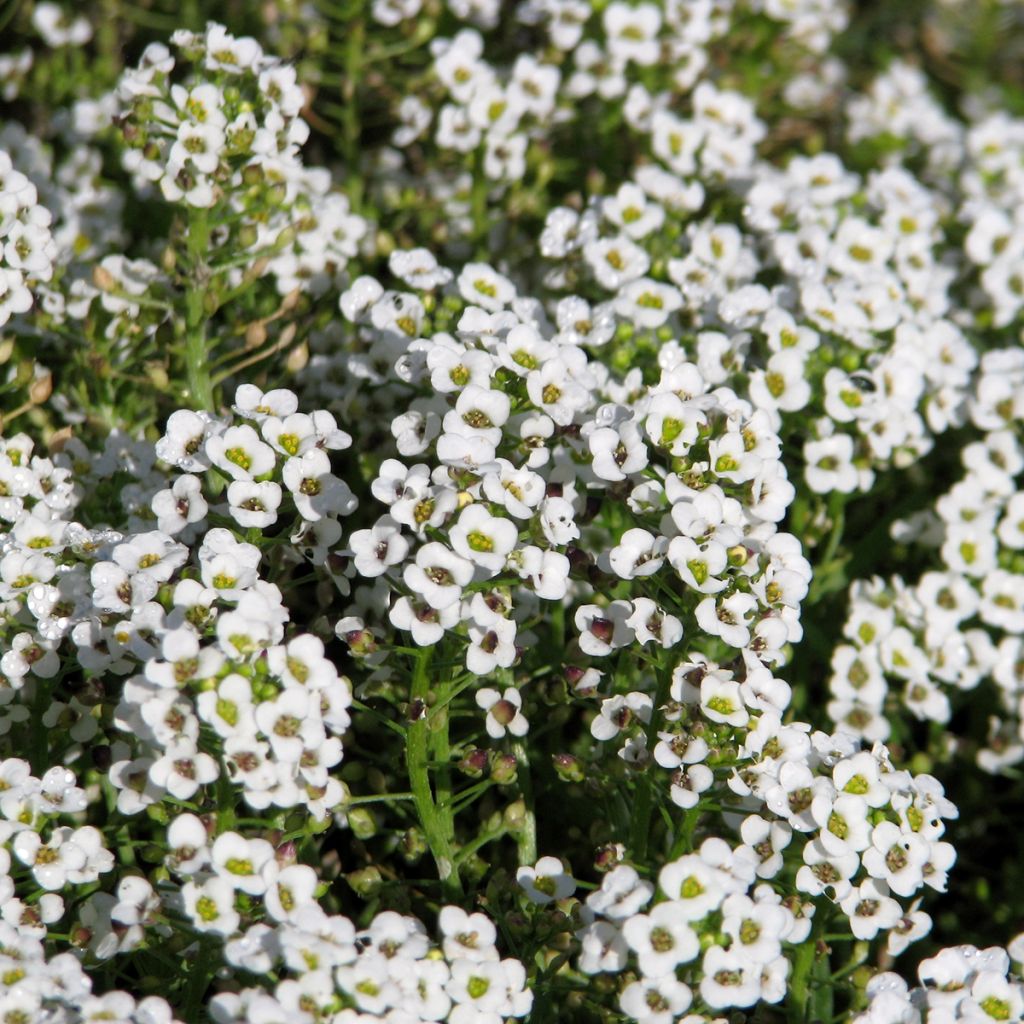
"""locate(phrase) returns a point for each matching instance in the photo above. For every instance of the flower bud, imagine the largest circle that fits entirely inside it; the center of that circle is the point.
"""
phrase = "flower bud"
(103, 279)
(366, 882)
(474, 763)
(413, 845)
(362, 822)
(568, 767)
(361, 642)
(608, 856)
(515, 816)
(503, 768)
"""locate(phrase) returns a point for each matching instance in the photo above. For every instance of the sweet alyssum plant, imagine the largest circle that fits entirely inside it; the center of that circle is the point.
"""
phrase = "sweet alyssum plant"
(409, 565)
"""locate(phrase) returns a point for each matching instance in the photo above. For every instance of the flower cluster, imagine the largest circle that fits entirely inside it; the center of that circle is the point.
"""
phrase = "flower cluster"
(488, 444)
(59, 989)
(961, 623)
(960, 983)
(27, 249)
(216, 124)
(388, 971)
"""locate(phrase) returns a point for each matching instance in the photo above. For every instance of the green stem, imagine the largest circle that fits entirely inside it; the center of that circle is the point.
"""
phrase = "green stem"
(641, 818)
(526, 837)
(197, 356)
(383, 798)
(473, 845)
(350, 120)
(837, 512)
(435, 815)
(803, 967)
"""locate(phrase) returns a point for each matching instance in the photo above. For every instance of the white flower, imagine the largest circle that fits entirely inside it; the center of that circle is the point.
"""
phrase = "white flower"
(316, 491)
(469, 936)
(618, 712)
(898, 858)
(438, 575)
(489, 987)
(483, 285)
(242, 861)
(603, 630)
(504, 712)
(661, 940)
(483, 539)
(655, 1000)
(730, 979)
(632, 31)
(694, 887)
(59, 29)
(546, 882)
(638, 553)
(829, 465)
(618, 452)
(182, 769)
(622, 894)
(379, 548)
(871, 909)
(254, 504)
(210, 906)
(240, 453)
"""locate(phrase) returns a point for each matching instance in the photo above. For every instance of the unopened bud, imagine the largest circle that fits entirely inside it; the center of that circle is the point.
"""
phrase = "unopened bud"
(861, 976)
(515, 816)
(366, 882)
(608, 856)
(568, 767)
(738, 555)
(503, 768)
(362, 822)
(103, 279)
(361, 642)
(414, 845)
(286, 854)
(157, 373)
(41, 388)
(579, 561)
(247, 236)
(255, 334)
(158, 813)
(297, 358)
(474, 763)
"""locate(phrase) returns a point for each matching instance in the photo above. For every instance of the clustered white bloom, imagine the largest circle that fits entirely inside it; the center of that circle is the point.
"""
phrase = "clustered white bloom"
(555, 512)
(27, 249)
(59, 989)
(961, 983)
(228, 136)
(388, 971)
(961, 624)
